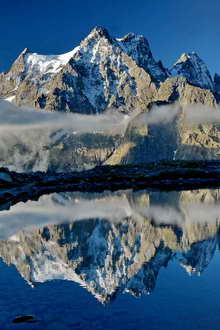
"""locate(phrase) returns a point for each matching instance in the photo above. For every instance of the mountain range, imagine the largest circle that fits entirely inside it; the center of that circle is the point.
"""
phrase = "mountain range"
(105, 72)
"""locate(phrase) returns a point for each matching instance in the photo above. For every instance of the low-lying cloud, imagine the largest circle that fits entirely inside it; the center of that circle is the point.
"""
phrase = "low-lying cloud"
(25, 134)
(18, 119)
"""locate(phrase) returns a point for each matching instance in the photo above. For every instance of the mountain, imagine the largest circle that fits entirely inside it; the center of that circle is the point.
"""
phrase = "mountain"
(102, 72)
(192, 67)
(106, 74)
(137, 47)
(96, 75)
(66, 150)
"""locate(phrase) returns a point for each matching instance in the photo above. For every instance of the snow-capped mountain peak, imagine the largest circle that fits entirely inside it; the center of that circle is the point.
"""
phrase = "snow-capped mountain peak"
(26, 51)
(98, 31)
(193, 68)
(102, 72)
(137, 47)
(185, 56)
(42, 64)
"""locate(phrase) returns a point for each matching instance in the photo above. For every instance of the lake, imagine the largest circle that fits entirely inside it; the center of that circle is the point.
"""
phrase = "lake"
(124, 260)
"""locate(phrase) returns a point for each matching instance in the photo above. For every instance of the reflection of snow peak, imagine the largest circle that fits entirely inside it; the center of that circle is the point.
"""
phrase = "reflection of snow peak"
(46, 267)
(198, 258)
(117, 247)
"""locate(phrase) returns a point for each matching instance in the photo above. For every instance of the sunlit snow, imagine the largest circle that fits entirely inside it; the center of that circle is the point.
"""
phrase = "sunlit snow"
(47, 63)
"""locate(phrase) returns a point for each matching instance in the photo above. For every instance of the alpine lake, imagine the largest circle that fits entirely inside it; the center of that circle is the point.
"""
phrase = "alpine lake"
(129, 259)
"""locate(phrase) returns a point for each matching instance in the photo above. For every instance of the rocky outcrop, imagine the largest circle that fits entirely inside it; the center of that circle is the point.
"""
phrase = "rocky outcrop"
(178, 175)
(181, 91)
(11, 80)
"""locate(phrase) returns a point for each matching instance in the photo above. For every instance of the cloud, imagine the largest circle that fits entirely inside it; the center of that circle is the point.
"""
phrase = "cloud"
(16, 119)
(25, 133)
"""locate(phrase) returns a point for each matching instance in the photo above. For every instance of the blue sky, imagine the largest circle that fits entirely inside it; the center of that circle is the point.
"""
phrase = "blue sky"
(171, 26)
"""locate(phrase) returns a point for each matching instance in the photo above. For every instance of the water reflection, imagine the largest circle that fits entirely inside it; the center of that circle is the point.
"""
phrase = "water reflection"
(111, 243)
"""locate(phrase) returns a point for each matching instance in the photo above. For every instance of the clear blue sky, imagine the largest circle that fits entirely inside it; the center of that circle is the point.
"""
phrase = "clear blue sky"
(171, 26)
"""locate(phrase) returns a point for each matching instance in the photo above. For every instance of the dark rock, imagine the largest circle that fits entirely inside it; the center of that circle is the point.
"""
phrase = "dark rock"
(217, 82)
(24, 319)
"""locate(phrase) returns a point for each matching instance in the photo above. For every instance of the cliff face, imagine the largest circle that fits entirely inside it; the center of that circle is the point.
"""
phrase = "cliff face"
(66, 151)
(180, 90)
(112, 252)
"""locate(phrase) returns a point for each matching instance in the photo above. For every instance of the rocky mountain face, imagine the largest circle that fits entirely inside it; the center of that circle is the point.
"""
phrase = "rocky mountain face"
(100, 73)
(194, 70)
(68, 151)
(110, 252)
(110, 74)
(103, 72)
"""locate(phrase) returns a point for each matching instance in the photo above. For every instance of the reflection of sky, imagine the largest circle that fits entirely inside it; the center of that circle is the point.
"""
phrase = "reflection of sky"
(179, 302)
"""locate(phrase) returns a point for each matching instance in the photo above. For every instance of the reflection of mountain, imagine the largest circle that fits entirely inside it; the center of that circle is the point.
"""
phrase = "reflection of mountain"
(111, 243)
(198, 257)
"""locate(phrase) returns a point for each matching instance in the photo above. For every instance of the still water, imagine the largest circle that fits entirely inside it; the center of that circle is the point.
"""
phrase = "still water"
(125, 260)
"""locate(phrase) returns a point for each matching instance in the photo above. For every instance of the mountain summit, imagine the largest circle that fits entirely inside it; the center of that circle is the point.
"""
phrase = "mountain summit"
(192, 67)
(105, 72)
(138, 48)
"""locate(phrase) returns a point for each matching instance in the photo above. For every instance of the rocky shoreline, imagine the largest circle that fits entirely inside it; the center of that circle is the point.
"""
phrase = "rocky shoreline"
(176, 175)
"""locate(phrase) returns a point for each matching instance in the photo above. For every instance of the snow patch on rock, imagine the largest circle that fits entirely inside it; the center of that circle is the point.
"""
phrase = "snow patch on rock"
(43, 64)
